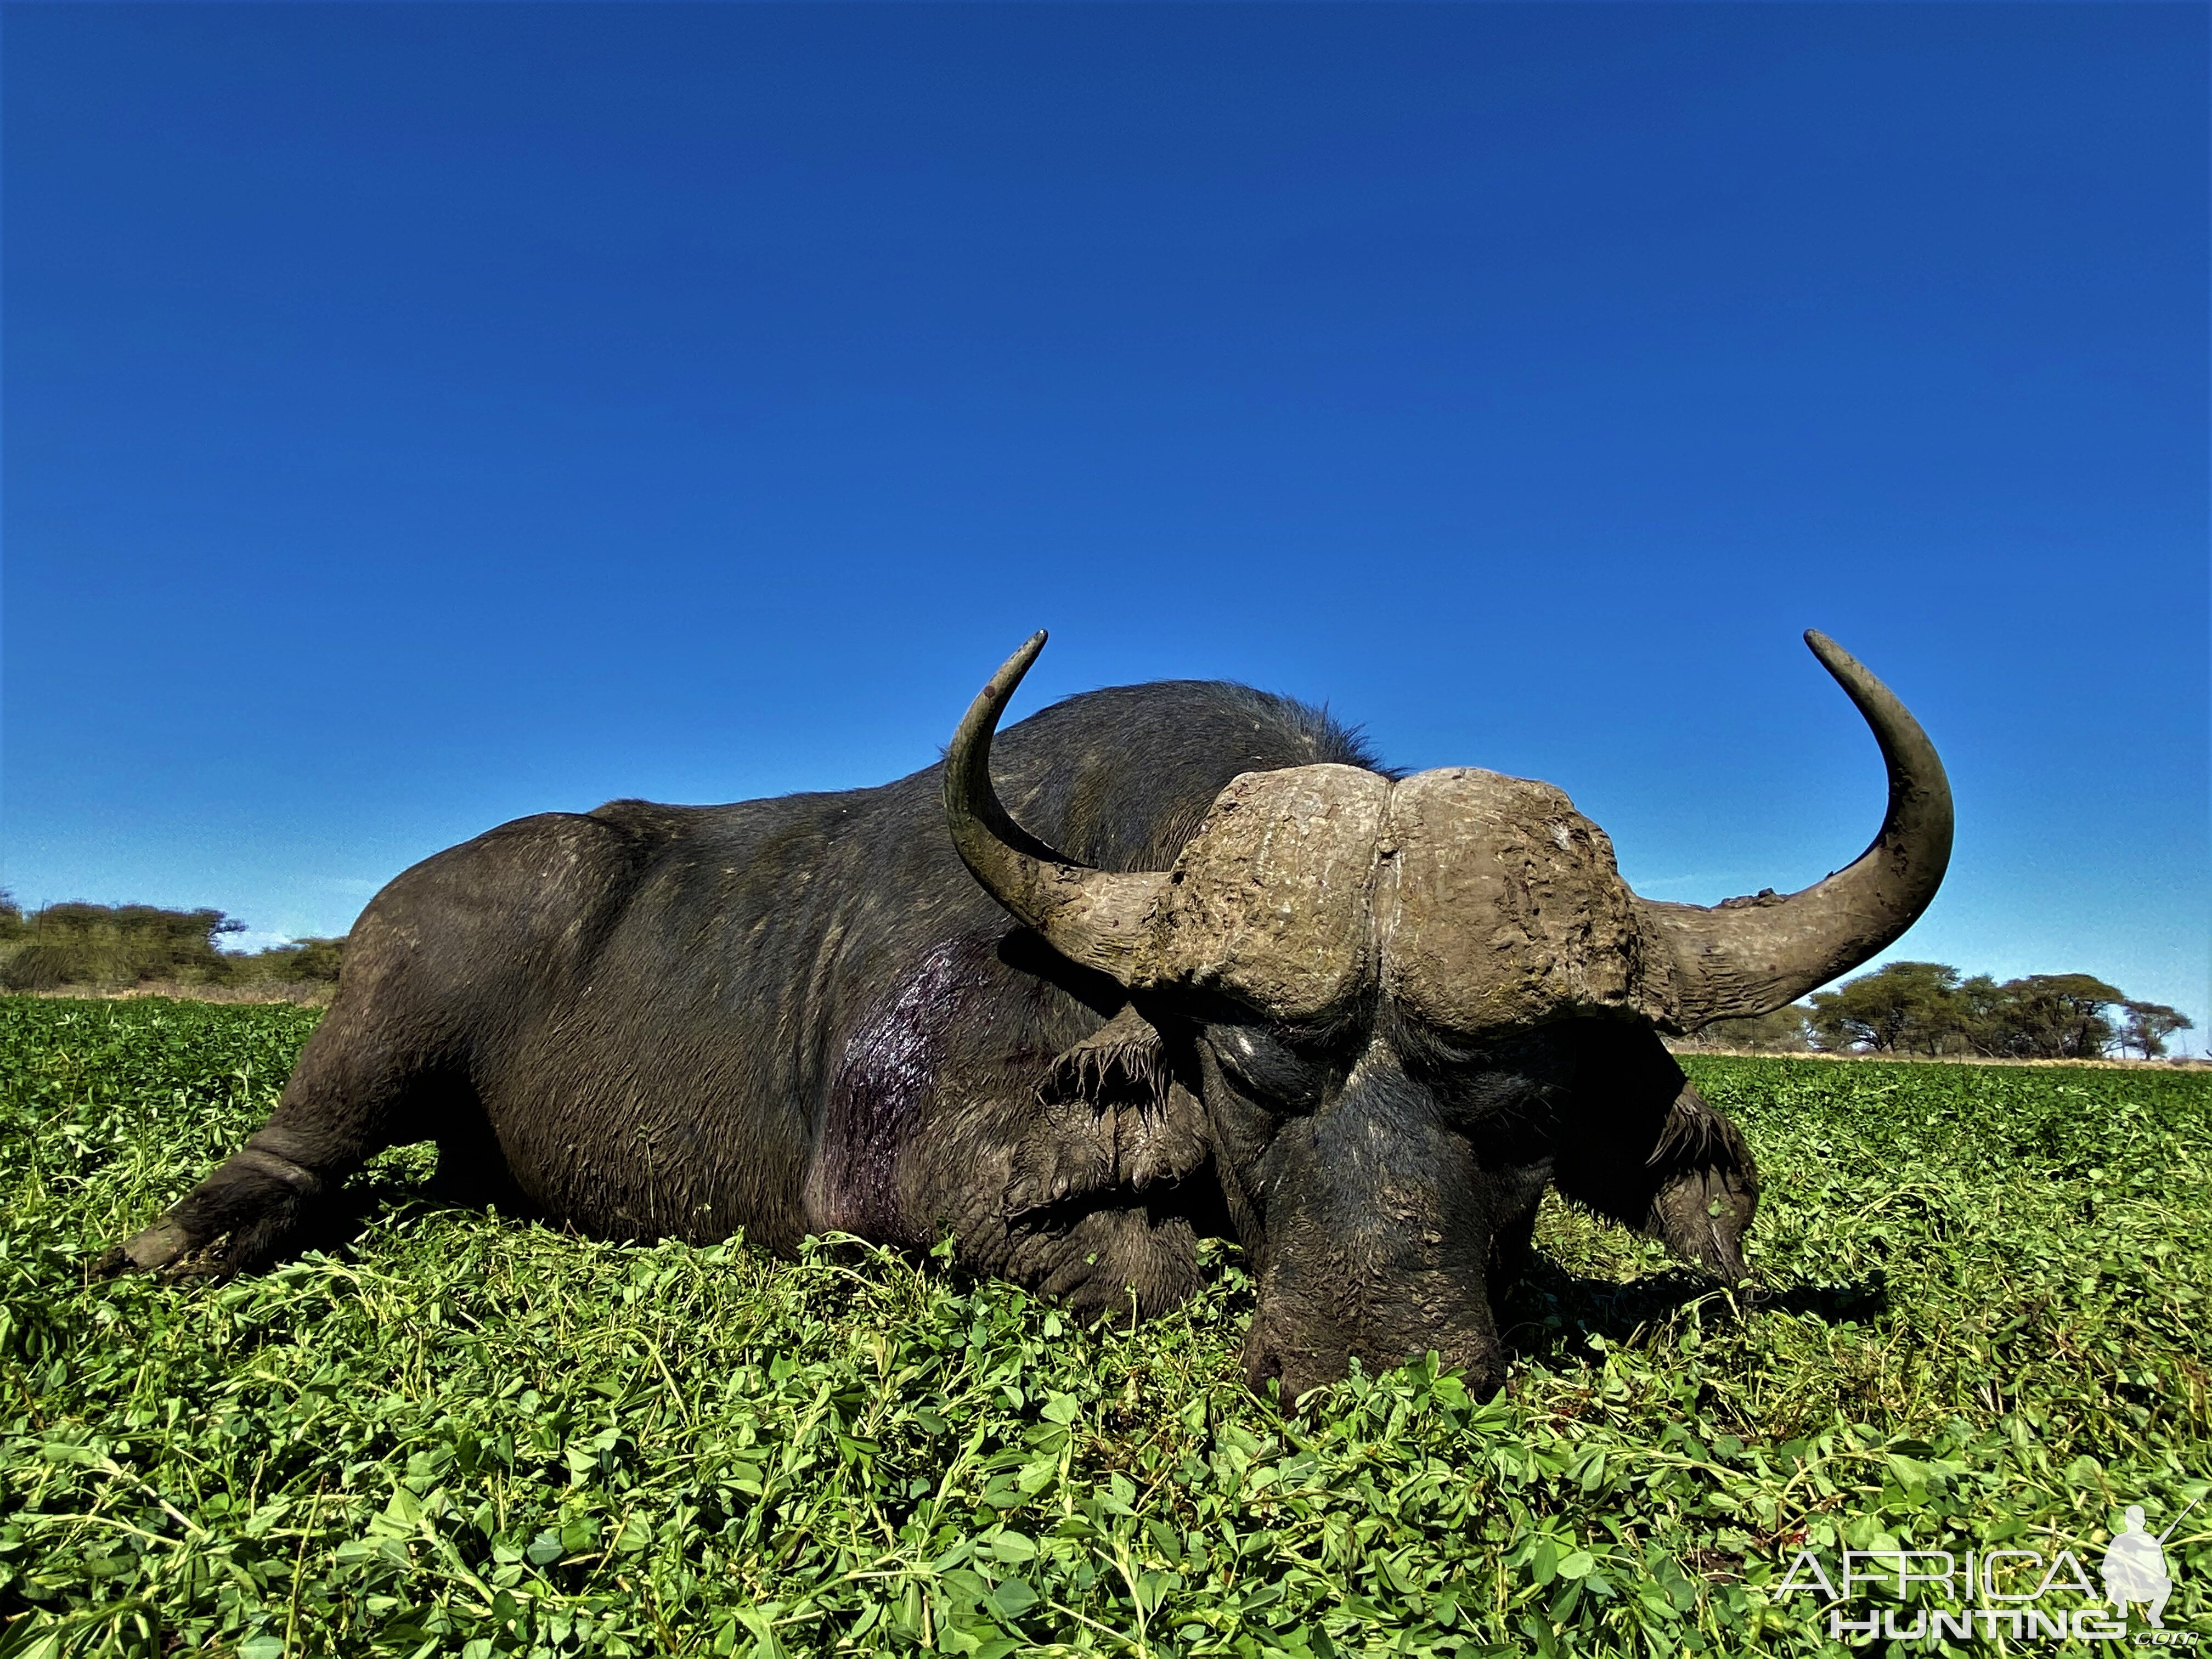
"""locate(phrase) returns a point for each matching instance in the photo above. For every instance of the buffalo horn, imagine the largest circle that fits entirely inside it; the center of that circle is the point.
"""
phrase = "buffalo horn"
(1746, 956)
(1095, 917)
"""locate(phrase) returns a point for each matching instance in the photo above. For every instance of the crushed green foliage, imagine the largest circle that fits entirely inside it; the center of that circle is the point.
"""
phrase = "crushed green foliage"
(469, 1437)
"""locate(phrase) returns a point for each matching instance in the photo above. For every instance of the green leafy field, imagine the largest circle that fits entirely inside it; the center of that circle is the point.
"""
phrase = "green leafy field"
(1986, 1327)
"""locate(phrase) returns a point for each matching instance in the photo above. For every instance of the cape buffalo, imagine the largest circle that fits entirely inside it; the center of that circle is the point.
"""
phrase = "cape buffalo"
(1253, 984)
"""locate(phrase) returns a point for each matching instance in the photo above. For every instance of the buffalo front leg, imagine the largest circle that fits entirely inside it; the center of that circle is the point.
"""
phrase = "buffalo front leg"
(275, 1195)
(254, 1204)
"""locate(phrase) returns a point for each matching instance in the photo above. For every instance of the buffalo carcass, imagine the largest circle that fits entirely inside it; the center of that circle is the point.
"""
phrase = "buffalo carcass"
(1252, 983)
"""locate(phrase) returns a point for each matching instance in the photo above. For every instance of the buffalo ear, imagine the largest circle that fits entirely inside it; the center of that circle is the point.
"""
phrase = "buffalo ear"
(1107, 1114)
(1648, 1152)
(1706, 1188)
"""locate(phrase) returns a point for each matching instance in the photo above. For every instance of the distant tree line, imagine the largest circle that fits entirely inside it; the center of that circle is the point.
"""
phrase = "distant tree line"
(1929, 1008)
(1905, 1008)
(115, 946)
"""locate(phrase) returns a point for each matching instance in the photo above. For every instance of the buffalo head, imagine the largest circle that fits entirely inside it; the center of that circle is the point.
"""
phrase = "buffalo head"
(1402, 1007)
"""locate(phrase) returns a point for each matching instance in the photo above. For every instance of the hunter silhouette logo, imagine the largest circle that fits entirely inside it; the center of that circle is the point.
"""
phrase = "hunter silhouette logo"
(2135, 1566)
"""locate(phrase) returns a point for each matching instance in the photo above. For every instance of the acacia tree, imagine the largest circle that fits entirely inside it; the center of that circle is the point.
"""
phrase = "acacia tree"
(2042, 1017)
(2149, 1025)
(2061, 1015)
(1904, 1008)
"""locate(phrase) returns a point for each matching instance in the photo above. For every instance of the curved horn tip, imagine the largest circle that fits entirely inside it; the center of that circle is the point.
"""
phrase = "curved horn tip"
(1094, 917)
(1838, 661)
(1739, 960)
(1023, 658)
(1010, 673)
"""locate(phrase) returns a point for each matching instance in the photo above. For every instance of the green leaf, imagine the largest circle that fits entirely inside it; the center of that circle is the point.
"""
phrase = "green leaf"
(1545, 1561)
(1013, 1597)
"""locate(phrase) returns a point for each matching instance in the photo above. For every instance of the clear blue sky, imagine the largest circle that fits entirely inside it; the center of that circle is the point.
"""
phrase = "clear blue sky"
(417, 416)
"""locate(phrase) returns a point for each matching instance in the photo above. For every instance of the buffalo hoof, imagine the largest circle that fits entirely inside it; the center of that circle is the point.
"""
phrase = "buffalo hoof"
(162, 1249)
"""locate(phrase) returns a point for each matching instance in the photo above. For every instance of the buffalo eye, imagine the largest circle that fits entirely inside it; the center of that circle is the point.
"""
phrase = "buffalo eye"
(1519, 1077)
(1266, 1067)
